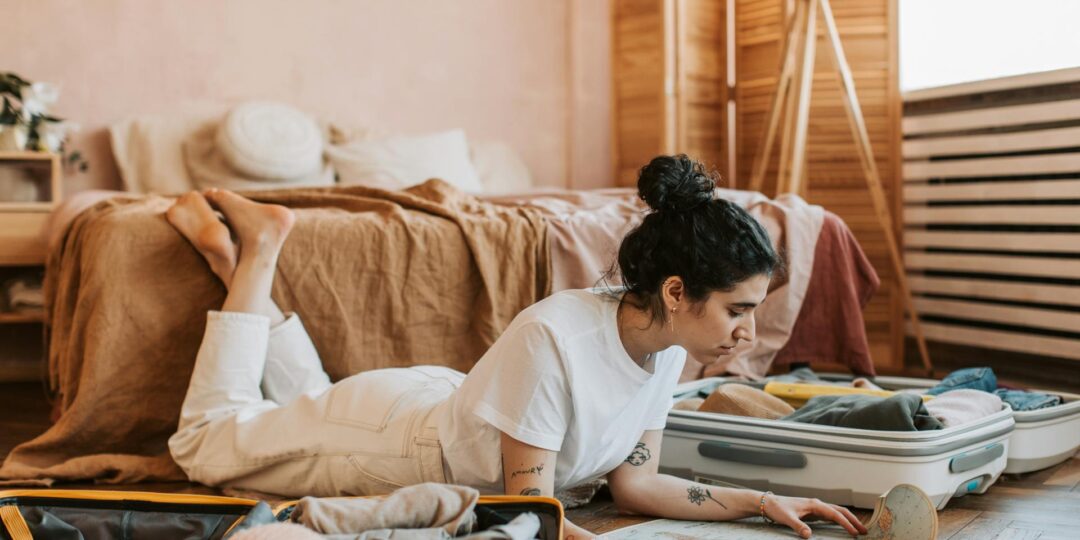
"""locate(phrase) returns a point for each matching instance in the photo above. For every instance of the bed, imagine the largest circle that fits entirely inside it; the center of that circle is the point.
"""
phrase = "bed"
(382, 278)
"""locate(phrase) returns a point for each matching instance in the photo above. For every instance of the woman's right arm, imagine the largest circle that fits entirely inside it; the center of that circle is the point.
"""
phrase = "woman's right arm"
(528, 470)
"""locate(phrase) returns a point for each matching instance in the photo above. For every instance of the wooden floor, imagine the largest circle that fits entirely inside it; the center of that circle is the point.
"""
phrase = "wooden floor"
(1043, 505)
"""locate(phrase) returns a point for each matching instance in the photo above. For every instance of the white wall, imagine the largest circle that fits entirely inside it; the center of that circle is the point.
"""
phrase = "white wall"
(533, 73)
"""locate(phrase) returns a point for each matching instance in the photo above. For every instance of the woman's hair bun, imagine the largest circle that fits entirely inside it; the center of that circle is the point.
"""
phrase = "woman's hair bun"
(675, 183)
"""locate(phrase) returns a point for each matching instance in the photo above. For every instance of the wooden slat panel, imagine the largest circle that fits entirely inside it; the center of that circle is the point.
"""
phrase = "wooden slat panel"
(701, 85)
(993, 143)
(638, 66)
(1020, 316)
(999, 290)
(1050, 242)
(1025, 266)
(1027, 80)
(1046, 164)
(1018, 215)
(996, 339)
(993, 191)
(1052, 111)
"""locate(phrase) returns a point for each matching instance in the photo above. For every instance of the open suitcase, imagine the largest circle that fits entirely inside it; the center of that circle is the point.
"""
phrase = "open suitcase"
(845, 466)
(1042, 438)
(92, 515)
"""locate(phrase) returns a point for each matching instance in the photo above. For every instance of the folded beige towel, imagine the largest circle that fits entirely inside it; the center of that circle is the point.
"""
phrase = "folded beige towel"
(422, 506)
(743, 400)
(688, 404)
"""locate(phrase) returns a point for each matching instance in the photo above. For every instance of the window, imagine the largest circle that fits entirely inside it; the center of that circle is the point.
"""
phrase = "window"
(952, 41)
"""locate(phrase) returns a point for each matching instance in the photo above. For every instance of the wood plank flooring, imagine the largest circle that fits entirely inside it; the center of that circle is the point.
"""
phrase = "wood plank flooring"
(1043, 505)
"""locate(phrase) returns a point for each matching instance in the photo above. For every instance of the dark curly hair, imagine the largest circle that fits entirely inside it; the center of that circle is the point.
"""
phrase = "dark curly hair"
(711, 243)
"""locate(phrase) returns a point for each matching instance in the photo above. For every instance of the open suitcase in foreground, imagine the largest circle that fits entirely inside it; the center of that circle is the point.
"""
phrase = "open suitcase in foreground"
(94, 515)
(845, 466)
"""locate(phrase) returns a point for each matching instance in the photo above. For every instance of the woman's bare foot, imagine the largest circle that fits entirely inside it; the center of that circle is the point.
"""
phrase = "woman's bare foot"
(196, 220)
(261, 228)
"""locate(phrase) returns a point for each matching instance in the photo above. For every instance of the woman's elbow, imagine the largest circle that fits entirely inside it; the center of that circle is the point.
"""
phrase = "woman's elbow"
(627, 499)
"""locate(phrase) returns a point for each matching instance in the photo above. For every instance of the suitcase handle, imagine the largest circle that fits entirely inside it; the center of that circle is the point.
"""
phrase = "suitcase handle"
(752, 455)
(978, 458)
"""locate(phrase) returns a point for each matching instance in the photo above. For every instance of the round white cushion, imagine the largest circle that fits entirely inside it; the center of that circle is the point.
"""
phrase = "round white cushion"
(270, 141)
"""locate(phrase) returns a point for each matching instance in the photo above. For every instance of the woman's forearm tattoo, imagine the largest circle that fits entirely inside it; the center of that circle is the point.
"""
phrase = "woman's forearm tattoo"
(639, 456)
(537, 470)
(531, 492)
(698, 495)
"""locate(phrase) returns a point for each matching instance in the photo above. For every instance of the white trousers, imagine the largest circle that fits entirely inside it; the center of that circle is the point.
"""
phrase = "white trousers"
(260, 414)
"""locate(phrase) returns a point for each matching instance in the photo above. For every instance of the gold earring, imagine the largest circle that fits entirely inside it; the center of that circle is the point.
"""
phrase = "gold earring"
(671, 319)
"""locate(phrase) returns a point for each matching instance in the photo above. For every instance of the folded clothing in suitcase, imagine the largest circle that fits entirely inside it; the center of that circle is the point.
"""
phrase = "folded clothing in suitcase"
(92, 515)
(846, 466)
(1042, 437)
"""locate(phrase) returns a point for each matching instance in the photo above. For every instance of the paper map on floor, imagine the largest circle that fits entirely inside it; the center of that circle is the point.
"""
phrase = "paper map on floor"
(905, 512)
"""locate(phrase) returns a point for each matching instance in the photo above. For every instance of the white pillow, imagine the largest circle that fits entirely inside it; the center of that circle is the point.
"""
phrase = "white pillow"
(270, 141)
(500, 168)
(403, 161)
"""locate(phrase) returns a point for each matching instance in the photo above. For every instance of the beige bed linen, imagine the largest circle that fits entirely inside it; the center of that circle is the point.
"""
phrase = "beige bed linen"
(586, 227)
(381, 279)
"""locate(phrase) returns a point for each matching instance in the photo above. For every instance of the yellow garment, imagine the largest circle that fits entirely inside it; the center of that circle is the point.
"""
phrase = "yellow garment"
(797, 394)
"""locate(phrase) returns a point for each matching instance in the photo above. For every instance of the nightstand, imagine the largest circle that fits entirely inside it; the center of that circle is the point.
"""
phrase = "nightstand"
(29, 189)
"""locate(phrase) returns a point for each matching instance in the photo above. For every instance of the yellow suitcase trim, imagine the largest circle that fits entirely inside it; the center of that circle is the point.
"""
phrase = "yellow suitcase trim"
(18, 529)
(142, 496)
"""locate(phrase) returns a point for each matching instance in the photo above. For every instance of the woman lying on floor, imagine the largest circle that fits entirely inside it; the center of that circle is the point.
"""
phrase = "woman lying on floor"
(577, 387)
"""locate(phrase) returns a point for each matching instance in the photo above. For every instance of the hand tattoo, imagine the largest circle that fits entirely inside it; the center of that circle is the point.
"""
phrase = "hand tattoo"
(531, 470)
(639, 456)
(531, 492)
(698, 495)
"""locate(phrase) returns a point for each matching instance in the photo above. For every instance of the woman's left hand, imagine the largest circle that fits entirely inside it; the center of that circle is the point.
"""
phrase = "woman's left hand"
(790, 511)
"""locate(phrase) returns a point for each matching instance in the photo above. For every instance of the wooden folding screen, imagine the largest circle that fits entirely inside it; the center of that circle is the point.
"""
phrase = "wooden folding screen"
(670, 92)
(650, 88)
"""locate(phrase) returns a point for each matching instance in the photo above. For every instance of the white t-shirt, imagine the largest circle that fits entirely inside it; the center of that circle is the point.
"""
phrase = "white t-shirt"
(558, 378)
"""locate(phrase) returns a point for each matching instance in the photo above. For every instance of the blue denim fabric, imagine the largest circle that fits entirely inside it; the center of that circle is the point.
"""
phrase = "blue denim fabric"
(978, 378)
(1022, 400)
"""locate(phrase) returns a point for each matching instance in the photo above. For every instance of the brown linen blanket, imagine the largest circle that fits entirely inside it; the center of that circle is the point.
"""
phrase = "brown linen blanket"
(830, 327)
(381, 279)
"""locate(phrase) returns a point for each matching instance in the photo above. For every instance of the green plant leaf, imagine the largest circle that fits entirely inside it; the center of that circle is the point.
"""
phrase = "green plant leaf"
(10, 115)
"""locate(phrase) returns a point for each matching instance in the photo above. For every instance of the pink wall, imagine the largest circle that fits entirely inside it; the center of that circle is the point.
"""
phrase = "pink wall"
(533, 73)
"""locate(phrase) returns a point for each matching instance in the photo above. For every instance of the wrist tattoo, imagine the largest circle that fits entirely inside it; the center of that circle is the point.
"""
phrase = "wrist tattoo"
(537, 470)
(531, 492)
(639, 456)
(698, 495)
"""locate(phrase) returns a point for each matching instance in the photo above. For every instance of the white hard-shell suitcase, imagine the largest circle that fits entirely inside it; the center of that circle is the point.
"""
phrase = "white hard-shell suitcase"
(845, 466)
(1042, 438)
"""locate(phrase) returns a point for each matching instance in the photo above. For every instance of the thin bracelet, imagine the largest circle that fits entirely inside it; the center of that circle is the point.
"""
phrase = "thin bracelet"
(762, 507)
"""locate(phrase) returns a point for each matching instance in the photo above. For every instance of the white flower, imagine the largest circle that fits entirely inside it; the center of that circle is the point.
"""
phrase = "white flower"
(38, 97)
